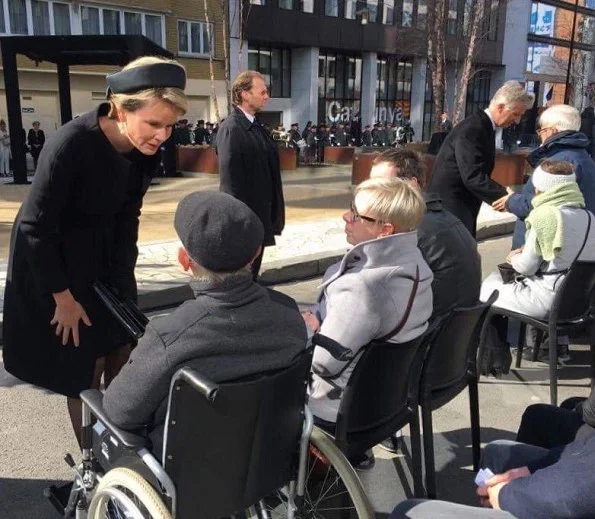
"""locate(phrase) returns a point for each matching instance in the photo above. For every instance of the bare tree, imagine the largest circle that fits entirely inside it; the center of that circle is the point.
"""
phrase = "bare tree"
(472, 41)
(211, 62)
(226, 33)
(436, 56)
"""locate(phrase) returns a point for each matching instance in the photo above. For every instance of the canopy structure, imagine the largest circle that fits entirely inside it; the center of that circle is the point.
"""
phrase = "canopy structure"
(64, 51)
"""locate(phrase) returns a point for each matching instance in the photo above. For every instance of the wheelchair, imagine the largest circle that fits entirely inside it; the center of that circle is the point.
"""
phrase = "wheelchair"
(241, 449)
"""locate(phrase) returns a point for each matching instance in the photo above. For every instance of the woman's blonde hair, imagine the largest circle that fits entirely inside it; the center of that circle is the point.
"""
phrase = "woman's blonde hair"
(392, 200)
(136, 100)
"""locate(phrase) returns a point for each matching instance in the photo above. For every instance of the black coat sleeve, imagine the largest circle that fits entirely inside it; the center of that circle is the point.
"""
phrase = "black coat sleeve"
(473, 167)
(232, 175)
(125, 250)
(40, 216)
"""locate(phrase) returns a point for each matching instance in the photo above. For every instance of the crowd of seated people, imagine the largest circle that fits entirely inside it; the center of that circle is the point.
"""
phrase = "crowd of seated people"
(411, 262)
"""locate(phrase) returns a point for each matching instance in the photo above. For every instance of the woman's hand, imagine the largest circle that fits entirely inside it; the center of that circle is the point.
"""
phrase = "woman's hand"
(311, 321)
(67, 316)
(514, 253)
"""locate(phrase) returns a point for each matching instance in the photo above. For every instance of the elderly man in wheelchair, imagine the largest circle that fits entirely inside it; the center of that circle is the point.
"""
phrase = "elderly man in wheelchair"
(208, 418)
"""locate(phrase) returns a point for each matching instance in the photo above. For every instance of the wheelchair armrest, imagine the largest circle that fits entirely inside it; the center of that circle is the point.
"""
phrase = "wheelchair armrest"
(93, 398)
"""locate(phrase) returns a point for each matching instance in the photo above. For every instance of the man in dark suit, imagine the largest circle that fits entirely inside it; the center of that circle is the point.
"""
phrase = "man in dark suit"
(461, 173)
(249, 166)
(35, 140)
(200, 133)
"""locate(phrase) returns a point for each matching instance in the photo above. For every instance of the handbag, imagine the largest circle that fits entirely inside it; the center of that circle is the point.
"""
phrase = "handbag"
(125, 311)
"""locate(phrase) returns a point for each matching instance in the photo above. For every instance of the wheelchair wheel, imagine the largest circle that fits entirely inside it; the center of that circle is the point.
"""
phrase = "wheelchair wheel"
(124, 494)
(333, 489)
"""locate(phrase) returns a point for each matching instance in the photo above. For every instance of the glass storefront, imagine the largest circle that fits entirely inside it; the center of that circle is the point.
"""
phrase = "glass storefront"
(478, 92)
(393, 89)
(561, 73)
(339, 86)
(275, 65)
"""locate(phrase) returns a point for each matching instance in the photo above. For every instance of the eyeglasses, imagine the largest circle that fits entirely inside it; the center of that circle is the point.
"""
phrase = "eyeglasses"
(355, 215)
(539, 130)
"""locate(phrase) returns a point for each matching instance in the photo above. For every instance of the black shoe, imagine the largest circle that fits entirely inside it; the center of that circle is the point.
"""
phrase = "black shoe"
(366, 461)
(392, 444)
(563, 354)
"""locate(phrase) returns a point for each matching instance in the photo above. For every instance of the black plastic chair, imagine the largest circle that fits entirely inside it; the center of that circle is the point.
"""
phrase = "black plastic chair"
(226, 446)
(573, 310)
(450, 367)
(378, 400)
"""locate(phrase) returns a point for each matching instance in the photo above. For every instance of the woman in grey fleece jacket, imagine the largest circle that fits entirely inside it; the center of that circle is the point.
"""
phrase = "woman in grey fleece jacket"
(365, 295)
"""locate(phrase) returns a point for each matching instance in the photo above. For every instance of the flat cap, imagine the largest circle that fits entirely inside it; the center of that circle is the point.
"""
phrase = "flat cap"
(218, 231)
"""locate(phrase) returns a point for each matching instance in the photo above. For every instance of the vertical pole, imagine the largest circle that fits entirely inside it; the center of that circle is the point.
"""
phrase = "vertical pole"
(64, 92)
(13, 106)
(571, 50)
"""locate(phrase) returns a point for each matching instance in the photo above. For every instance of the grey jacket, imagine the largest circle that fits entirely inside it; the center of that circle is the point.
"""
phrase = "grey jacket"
(364, 298)
(234, 329)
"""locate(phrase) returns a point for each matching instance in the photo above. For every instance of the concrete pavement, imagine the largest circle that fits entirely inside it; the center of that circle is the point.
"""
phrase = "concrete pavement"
(35, 430)
(312, 240)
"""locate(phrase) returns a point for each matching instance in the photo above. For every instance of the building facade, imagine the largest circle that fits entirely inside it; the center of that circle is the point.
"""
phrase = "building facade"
(340, 60)
(177, 25)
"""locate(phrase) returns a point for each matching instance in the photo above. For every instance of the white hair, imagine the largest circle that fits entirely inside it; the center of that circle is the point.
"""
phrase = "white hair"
(512, 93)
(560, 117)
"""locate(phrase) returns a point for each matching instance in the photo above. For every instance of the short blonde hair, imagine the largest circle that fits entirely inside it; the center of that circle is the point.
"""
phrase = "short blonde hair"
(560, 117)
(392, 200)
(242, 83)
(136, 100)
(512, 93)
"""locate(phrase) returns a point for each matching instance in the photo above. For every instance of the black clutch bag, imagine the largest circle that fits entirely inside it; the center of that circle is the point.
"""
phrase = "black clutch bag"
(507, 273)
(125, 311)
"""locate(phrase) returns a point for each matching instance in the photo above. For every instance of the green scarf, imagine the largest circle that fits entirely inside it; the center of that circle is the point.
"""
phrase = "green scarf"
(546, 219)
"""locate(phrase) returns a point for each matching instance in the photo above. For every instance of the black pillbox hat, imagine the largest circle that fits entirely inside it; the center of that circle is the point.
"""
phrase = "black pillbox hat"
(218, 231)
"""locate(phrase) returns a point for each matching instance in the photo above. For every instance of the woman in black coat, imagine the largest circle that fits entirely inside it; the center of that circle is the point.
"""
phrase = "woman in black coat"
(35, 140)
(78, 224)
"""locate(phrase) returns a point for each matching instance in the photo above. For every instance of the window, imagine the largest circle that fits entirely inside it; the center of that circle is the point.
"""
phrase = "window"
(153, 28)
(407, 13)
(103, 20)
(308, 6)
(193, 38)
(372, 10)
(428, 128)
(17, 15)
(493, 26)
(451, 24)
(393, 89)
(286, 4)
(133, 23)
(339, 87)
(350, 9)
(61, 19)
(34, 17)
(111, 22)
(478, 92)
(90, 20)
(275, 66)
(467, 14)
(422, 14)
(388, 12)
(331, 7)
(258, 2)
(40, 12)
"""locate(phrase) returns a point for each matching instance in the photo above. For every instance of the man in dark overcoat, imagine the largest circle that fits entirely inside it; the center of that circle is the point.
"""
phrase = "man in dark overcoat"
(462, 171)
(248, 157)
